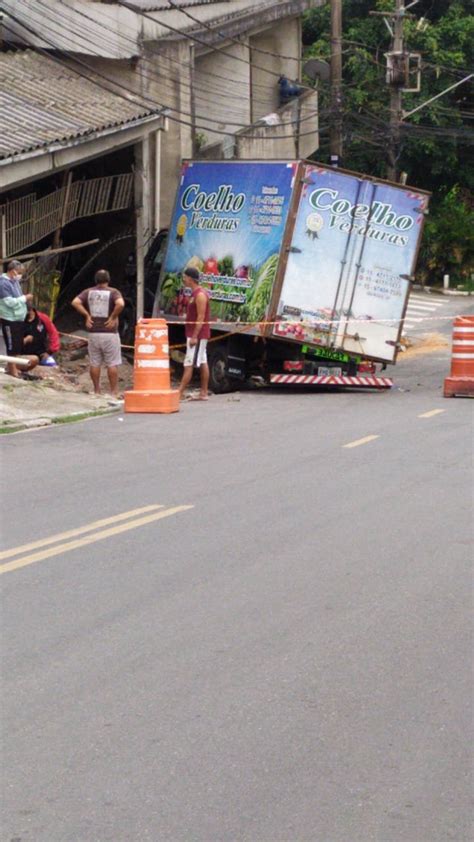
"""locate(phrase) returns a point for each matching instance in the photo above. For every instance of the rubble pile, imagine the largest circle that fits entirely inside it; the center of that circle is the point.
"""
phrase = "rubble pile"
(72, 371)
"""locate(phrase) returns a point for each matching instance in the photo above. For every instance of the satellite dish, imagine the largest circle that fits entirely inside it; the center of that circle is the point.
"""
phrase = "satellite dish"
(315, 68)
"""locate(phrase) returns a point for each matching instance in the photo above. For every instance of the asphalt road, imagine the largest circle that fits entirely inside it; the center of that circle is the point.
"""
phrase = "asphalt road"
(286, 661)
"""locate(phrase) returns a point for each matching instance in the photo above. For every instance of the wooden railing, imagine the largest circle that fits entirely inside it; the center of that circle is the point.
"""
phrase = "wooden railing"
(26, 220)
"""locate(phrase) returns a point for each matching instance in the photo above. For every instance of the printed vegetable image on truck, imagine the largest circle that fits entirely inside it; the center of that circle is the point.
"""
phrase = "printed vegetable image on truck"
(231, 230)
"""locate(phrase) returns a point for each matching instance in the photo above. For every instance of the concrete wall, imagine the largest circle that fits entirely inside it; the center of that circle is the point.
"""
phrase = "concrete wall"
(283, 39)
(166, 78)
(222, 91)
(295, 135)
(160, 79)
(309, 125)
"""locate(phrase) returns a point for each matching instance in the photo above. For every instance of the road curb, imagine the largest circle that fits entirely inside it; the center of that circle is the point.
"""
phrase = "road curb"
(10, 427)
(440, 290)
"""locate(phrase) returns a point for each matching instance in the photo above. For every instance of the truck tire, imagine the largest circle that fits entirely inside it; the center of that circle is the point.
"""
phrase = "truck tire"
(127, 323)
(219, 380)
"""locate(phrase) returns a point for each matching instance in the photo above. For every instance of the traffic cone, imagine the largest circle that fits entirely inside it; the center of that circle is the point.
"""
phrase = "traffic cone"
(152, 390)
(461, 380)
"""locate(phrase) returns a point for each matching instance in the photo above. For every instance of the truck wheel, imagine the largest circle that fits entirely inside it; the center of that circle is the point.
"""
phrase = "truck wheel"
(219, 380)
(127, 324)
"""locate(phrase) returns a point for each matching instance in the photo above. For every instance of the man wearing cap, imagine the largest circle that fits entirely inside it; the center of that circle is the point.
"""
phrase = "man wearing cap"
(198, 332)
(13, 306)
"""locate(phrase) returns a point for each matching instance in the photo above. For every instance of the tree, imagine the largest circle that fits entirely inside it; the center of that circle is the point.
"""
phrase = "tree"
(436, 142)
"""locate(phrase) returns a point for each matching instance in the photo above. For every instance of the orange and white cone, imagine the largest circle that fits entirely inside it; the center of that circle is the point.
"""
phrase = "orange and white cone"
(152, 390)
(461, 380)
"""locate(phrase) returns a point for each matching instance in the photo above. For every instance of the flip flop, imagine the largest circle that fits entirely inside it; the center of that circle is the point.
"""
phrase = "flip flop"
(196, 398)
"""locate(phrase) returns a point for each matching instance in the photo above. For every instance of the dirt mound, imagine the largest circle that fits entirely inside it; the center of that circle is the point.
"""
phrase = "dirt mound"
(429, 343)
(72, 372)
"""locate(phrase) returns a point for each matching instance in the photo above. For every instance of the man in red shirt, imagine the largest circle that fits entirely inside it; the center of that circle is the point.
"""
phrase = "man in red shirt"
(101, 306)
(198, 332)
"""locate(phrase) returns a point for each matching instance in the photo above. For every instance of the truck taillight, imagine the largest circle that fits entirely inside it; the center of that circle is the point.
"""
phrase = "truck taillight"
(293, 365)
(366, 367)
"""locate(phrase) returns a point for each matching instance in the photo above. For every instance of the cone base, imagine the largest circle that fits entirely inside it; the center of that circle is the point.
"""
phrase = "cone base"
(462, 386)
(162, 400)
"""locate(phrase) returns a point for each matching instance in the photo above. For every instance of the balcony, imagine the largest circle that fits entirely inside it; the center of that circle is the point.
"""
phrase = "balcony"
(289, 132)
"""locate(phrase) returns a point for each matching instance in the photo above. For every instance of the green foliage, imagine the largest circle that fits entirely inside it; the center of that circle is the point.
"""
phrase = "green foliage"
(437, 141)
(171, 285)
(448, 242)
(226, 265)
(259, 294)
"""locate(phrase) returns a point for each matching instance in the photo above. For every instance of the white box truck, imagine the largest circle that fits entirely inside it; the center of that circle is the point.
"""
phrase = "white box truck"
(308, 269)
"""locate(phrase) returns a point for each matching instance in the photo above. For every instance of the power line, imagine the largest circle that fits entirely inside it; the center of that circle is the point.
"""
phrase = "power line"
(166, 58)
(221, 35)
(139, 99)
(156, 51)
(406, 114)
(208, 120)
(461, 71)
(195, 38)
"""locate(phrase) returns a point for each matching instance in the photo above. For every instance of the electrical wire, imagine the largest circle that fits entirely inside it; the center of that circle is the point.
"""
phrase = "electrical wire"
(222, 35)
(203, 117)
(131, 96)
(450, 69)
(156, 51)
(194, 38)
(165, 58)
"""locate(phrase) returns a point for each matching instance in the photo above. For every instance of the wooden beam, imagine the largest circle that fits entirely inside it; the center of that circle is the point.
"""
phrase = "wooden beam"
(49, 251)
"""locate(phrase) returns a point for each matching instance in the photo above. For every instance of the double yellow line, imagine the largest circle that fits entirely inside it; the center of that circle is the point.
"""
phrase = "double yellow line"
(132, 521)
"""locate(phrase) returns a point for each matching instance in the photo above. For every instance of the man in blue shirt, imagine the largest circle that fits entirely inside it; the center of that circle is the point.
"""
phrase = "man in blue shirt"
(13, 306)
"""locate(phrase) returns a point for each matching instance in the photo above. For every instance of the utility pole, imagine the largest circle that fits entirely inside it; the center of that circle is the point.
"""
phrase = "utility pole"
(399, 73)
(394, 80)
(336, 83)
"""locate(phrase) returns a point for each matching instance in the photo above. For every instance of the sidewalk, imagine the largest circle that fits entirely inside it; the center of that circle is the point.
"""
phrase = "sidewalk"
(58, 394)
(440, 290)
(24, 405)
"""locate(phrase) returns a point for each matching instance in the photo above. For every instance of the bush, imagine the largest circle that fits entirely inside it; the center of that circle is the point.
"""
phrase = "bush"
(448, 241)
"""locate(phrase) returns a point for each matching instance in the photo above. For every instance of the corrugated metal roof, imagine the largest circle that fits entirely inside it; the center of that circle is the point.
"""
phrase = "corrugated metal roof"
(163, 6)
(44, 102)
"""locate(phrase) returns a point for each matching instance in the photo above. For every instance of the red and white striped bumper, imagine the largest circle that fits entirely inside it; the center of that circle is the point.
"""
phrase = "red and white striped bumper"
(331, 380)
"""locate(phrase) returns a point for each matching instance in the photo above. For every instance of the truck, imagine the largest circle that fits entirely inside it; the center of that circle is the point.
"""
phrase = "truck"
(308, 269)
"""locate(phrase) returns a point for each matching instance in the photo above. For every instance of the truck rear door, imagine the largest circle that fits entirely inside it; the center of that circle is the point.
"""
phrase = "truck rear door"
(353, 250)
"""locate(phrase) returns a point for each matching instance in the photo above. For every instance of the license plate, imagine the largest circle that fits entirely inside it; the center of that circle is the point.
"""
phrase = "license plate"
(325, 371)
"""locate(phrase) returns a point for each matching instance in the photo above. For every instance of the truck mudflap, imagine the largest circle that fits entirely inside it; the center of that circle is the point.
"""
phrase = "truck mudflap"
(367, 382)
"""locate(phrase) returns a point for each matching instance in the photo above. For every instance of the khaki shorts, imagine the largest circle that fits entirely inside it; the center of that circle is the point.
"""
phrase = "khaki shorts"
(104, 349)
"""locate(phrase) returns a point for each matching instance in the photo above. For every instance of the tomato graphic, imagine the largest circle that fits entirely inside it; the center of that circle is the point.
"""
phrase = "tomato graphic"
(211, 267)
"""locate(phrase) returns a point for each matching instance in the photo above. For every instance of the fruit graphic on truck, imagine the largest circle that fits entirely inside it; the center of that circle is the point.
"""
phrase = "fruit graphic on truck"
(211, 267)
(181, 228)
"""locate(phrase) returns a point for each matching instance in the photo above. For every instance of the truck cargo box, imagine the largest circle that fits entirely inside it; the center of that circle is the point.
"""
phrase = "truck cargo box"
(297, 252)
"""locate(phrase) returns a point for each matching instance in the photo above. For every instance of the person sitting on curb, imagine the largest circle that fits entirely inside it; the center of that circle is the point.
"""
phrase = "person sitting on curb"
(101, 306)
(41, 339)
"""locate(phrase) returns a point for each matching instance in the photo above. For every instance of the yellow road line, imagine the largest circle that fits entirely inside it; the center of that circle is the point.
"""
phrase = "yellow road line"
(71, 533)
(89, 539)
(358, 442)
(431, 413)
